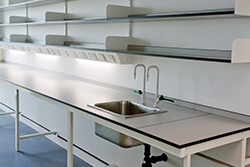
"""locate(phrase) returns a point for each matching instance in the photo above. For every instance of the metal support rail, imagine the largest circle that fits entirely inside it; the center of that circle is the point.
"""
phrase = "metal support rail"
(17, 137)
(214, 160)
(36, 135)
(7, 113)
(17, 113)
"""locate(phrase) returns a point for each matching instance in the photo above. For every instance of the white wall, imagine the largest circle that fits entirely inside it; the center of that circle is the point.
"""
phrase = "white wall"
(220, 85)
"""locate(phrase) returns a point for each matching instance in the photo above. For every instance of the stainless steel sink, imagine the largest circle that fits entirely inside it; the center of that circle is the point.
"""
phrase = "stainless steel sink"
(124, 109)
(115, 137)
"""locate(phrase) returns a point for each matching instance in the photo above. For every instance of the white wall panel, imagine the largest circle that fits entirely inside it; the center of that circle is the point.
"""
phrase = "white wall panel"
(7, 95)
(90, 8)
(38, 33)
(38, 13)
(7, 14)
(4, 2)
(192, 33)
(215, 84)
(96, 32)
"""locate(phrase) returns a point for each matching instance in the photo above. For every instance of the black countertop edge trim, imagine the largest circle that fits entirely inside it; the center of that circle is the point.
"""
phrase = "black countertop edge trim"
(133, 129)
(214, 137)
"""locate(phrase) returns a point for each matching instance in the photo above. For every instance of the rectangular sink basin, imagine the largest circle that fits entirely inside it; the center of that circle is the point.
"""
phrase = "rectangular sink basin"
(115, 137)
(125, 109)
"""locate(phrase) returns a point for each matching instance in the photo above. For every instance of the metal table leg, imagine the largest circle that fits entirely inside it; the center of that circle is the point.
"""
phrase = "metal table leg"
(17, 121)
(243, 152)
(70, 140)
(187, 161)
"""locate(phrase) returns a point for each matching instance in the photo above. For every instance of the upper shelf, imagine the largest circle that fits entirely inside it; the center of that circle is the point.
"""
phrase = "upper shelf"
(27, 3)
(116, 13)
(120, 45)
(141, 17)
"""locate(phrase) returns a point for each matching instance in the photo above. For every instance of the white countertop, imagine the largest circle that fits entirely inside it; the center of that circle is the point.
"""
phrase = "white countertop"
(179, 127)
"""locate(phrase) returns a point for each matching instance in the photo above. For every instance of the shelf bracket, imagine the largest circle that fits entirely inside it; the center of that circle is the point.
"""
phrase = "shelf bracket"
(240, 51)
(7, 113)
(116, 43)
(242, 7)
(55, 40)
(116, 11)
(18, 38)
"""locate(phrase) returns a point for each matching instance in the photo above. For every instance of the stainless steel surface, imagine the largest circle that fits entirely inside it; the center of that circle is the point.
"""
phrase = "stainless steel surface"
(115, 137)
(126, 109)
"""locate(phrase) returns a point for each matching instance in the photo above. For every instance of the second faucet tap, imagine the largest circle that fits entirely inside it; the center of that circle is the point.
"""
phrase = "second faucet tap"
(157, 82)
(144, 82)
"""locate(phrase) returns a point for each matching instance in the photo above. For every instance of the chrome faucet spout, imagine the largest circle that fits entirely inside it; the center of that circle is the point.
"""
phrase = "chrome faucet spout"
(157, 82)
(144, 82)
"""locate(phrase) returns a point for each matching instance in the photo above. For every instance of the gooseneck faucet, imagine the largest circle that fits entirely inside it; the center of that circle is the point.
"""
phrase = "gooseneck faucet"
(157, 83)
(144, 81)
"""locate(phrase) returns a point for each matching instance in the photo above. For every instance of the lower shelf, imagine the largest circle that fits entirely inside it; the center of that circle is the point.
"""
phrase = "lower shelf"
(183, 53)
(64, 51)
(117, 50)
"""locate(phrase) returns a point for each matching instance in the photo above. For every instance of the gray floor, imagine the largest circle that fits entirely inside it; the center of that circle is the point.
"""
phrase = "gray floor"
(35, 152)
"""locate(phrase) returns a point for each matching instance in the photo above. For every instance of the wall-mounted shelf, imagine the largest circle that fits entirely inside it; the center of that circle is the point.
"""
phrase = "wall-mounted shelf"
(58, 45)
(111, 42)
(113, 13)
(18, 4)
(120, 45)
(182, 53)
(62, 18)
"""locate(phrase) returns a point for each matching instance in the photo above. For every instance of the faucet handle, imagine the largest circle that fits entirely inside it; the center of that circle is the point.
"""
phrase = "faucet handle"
(161, 97)
(138, 92)
(141, 93)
